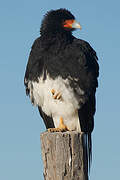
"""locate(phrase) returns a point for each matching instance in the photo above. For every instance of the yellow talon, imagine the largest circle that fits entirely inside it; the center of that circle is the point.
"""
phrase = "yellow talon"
(61, 128)
(56, 95)
(53, 91)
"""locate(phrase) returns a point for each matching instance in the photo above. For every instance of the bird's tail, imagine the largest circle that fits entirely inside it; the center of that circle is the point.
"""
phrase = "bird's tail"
(87, 141)
(89, 150)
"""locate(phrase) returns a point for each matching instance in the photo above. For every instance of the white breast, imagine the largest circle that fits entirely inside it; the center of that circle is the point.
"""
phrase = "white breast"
(66, 107)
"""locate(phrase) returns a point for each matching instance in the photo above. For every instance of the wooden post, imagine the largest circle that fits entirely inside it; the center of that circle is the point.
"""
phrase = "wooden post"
(64, 156)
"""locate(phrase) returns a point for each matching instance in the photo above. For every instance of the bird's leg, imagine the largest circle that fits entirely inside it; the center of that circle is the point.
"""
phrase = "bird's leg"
(61, 128)
(56, 95)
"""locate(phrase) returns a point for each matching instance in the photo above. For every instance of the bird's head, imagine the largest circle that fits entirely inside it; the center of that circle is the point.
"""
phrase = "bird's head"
(57, 21)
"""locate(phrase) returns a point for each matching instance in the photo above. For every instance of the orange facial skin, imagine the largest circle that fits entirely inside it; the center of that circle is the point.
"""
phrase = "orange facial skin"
(68, 23)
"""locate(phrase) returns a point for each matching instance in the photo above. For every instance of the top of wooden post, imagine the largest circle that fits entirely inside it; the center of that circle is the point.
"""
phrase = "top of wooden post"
(64, 156)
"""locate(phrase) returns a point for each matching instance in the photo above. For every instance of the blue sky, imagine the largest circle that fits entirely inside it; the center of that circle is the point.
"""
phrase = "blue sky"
(20, 123)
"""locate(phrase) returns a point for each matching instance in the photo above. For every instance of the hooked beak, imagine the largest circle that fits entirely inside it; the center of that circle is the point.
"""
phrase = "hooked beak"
(72, 24)
(76, 25)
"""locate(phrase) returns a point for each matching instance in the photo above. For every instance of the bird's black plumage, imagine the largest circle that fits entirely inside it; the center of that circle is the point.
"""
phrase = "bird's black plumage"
(58, 53)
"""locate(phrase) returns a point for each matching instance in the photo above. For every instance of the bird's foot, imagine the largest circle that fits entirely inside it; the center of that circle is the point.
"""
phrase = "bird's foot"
(56, 95)
(56, 130)
(62, 127)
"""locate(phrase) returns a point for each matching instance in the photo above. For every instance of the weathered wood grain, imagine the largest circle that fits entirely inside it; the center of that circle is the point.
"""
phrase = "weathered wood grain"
(64, 156)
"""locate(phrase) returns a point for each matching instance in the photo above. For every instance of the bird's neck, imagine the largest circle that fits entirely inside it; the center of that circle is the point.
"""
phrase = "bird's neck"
(57, 39)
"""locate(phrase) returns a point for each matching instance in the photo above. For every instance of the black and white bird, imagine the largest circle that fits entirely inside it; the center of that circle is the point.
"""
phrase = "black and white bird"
(61, 76)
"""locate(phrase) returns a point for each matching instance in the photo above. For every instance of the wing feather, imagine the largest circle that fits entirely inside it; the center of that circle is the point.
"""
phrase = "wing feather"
(35, 64)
